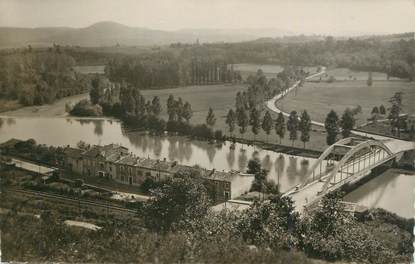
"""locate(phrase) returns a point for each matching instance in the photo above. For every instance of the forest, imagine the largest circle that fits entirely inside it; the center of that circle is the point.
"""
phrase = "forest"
(37, 77)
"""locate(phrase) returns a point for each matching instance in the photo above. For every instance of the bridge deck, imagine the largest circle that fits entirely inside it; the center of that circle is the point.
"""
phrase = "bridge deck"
(348, 172)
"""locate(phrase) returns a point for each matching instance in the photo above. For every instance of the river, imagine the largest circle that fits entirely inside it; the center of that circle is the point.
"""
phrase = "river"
(288, 170)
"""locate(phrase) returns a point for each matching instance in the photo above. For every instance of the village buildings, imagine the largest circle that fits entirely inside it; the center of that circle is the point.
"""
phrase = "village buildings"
(116, 163)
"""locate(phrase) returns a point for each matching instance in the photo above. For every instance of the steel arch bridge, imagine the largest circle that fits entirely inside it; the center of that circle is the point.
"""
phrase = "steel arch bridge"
(346, 161)
(356, 156)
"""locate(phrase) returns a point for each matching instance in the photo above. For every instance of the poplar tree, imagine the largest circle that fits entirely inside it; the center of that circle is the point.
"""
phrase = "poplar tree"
(187, 112)
(156, 106)
(280, 126)
(243, 120)
(347, 122)
(267, 123)
(210, 118)
(292, 126)
(255, 121)
(305, 127)
(231, 120)
(332, 127)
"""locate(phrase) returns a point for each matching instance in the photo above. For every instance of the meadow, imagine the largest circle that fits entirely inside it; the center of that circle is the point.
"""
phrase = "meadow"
(222, 98)
(98, 69)
(319, 98)
(345, 74)
(269, 70)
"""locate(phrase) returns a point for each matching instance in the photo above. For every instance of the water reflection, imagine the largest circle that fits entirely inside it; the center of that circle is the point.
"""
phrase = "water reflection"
(230, 157)
(157, 147)
(98, 127)
(266, 163)
(242, 160)
(292, 169)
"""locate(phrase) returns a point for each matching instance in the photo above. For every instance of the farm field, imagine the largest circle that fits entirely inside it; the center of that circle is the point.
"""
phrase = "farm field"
(222, 98)
(319, 98)
(345, 74)
(99, 69)
(270, 70)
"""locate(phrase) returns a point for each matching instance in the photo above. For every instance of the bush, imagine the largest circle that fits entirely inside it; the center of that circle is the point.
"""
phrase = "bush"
(85, 108)
(202, 131)
(219, 135)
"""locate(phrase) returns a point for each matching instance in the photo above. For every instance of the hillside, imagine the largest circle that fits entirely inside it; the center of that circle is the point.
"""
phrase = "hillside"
(111, 33)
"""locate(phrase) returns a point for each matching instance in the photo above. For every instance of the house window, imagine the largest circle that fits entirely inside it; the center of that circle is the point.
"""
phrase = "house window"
(227, 195)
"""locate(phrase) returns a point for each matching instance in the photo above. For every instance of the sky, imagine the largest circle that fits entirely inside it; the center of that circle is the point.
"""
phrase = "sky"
(334, 17)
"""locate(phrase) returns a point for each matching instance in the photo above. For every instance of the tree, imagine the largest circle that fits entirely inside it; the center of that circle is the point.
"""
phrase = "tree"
(369, 79)
(243, 120)
(332, 127)
(239, 101)
(231, 120)
(254, 167)
(347, 123)
(210, 118)
(270, 222)
(267, 123)
(255, 121)
(305, 127)
(187, 112)
(171, 108)
(382, 110)
(156, 106)
(180, 199)
(375, 110)
(97, 90)
(280, 126)
(292, 126)
(179, 109)
(412, 133)
(395, 110)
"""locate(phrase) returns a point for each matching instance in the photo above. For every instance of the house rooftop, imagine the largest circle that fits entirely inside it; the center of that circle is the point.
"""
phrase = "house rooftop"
(223, 175)
(128, 160)
(10, 143)
(73, 152)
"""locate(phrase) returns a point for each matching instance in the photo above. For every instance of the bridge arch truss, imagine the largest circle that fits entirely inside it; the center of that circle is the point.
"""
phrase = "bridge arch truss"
(345, 160)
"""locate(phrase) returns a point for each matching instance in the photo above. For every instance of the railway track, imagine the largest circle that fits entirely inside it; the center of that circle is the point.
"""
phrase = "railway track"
(72, 201)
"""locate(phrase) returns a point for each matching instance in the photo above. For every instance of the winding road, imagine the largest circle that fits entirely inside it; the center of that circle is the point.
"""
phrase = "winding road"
(395, 145)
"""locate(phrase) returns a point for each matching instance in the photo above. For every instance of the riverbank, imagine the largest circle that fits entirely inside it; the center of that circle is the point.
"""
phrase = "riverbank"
(57, 109)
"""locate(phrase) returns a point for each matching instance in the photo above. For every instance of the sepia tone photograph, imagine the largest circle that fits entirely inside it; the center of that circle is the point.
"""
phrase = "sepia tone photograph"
(207, 131)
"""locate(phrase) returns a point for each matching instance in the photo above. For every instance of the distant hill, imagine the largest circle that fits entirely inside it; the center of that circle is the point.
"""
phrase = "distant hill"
(110, 33)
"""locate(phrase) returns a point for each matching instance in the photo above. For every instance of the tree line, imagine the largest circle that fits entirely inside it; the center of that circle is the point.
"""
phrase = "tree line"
(171, 69)
(396, 58)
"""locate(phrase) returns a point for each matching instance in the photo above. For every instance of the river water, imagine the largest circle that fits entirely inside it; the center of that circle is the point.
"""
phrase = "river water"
(391, 192)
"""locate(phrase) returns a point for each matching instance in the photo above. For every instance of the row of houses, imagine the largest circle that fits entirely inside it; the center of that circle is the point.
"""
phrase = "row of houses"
(117, 163)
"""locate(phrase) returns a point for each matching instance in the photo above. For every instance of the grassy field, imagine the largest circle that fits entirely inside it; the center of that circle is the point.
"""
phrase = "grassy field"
(270, 70)
(99, 69)
(344, 74)
(319, 98)
(222, 98)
